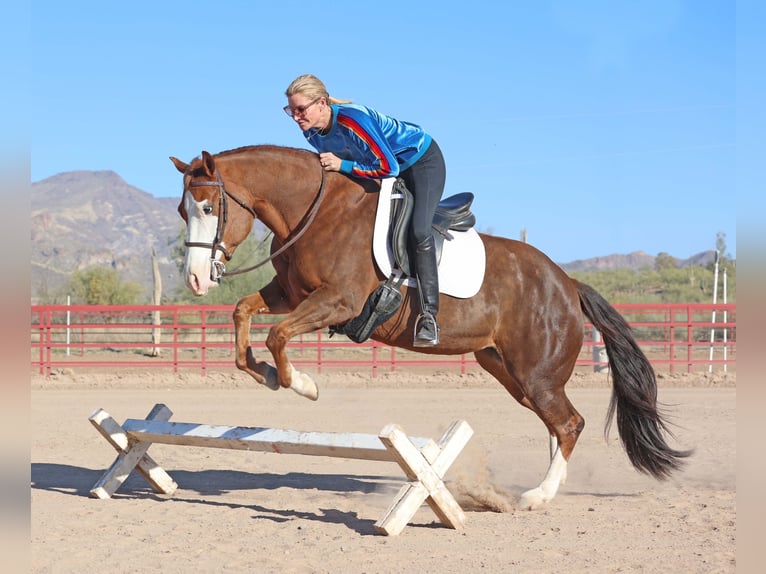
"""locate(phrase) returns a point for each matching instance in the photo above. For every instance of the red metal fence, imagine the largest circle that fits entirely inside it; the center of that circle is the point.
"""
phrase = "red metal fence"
(675, 337)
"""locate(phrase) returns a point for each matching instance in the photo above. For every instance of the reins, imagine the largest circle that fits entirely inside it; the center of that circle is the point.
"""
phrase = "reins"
(218, 268)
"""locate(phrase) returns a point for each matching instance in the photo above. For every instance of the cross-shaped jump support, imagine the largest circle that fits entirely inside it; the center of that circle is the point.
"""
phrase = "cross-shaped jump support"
(425, 469)
(131, 455)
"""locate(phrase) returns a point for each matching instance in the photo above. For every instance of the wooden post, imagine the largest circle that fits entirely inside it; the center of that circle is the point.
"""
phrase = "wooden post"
(156, 300)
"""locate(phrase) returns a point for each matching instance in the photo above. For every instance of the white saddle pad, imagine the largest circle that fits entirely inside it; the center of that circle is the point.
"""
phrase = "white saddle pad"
(463, 260)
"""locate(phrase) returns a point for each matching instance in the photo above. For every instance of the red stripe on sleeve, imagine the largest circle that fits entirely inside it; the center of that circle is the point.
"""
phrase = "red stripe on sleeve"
(359, 131)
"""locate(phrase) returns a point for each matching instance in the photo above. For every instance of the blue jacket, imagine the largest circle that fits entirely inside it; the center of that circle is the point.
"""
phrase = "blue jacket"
(369, 143)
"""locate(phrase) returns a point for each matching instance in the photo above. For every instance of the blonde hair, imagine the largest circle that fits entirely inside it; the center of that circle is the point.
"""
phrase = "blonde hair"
(313, 88)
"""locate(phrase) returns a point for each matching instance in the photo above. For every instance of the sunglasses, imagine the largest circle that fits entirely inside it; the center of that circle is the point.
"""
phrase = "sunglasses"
(300, 110)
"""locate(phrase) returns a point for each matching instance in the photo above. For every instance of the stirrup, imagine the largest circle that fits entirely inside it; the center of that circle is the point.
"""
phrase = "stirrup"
(426, 331)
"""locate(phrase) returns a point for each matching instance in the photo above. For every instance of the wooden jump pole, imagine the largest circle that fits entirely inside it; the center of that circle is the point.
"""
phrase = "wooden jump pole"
(423, 461)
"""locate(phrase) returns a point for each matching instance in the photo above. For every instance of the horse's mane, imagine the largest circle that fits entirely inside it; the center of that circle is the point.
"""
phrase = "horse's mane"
(263, 148)
(260, 148)
(369, 185)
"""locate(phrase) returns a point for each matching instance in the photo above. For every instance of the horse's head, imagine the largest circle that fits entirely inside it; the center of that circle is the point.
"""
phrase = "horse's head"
(213, 231)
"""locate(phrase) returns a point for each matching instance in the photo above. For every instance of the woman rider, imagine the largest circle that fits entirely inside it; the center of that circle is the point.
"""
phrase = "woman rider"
(361, 142)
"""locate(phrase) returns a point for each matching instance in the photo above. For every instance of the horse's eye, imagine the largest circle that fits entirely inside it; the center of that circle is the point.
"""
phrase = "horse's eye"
(207, 210)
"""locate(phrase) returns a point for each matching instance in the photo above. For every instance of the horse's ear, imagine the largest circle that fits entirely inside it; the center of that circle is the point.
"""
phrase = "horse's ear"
(180, 166)
(209, 163)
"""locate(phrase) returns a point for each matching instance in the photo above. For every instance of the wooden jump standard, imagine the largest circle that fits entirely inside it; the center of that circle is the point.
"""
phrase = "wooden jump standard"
(423, 461)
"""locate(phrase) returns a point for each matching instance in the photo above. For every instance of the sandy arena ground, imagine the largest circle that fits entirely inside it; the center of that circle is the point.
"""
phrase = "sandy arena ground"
(238, 511)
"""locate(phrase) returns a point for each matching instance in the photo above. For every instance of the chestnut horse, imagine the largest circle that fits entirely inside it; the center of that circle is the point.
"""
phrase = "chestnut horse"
(524, 326)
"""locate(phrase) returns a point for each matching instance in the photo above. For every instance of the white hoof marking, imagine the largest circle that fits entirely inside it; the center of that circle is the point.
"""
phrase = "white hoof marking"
(303, 384)
(531, 499)
(537, 497)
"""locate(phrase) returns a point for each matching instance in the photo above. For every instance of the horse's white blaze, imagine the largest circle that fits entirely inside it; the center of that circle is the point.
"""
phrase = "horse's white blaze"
(200, 227)
(548, 488)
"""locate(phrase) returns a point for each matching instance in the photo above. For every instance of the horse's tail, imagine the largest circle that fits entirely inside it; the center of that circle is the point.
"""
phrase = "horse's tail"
(634, 391)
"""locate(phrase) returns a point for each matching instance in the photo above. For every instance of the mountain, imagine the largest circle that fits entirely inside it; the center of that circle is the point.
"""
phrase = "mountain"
(636, 260)
(82, 219)
(88, 218)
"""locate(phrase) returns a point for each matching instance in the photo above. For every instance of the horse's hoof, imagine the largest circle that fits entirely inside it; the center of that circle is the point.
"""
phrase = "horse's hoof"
(304, 385)
(531, 500)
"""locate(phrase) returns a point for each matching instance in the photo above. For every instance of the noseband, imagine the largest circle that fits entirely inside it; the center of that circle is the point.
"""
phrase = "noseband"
(217, 267)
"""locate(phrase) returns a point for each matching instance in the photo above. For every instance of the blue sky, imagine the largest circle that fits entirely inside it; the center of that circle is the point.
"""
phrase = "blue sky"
(600, 127)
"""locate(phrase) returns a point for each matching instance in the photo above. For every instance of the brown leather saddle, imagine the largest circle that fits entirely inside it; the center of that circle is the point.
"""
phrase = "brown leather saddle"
(452, 214)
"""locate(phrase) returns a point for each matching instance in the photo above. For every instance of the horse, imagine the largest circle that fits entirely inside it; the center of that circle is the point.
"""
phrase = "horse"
(525, 326)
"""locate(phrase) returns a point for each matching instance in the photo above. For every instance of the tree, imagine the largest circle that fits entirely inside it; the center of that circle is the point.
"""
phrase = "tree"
(664, 261)
(102, 286)
(720, 243)
(726, 260)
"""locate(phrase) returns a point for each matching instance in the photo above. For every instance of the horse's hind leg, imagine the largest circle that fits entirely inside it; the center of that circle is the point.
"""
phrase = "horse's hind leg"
(565, 425)
(547, 399)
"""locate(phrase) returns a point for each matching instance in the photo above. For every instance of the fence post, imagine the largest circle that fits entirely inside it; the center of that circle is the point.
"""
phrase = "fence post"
(672, 358)
(81, 320)
(203, 340)
(712, 320)
(374, 359)
(319, 352)
(175, 339)
(68, 323)
(600, 358)
(393, 359)
(45, 344)
(689, 340)
(726, 324)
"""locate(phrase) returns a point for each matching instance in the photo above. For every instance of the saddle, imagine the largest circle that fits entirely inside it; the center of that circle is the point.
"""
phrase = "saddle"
(452, 214)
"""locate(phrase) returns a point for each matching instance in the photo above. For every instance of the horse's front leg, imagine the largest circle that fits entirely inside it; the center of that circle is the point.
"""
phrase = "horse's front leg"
(322, 308)
(270, 300)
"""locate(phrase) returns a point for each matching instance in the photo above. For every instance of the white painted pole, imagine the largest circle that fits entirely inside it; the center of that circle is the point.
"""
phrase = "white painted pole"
(725, 320)
(263, 439)
(600, 358)
(715, 300)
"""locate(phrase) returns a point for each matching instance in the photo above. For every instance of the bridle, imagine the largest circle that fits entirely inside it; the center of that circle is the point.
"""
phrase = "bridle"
(218, 267)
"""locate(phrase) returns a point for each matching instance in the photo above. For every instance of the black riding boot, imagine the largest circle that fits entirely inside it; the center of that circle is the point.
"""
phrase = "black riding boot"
(426, 329)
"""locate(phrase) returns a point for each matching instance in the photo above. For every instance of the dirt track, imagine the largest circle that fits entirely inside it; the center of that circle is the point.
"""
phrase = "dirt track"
(256, 512)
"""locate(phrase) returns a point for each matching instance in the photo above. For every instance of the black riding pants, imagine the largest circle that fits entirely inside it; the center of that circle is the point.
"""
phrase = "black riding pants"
(425, 179)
